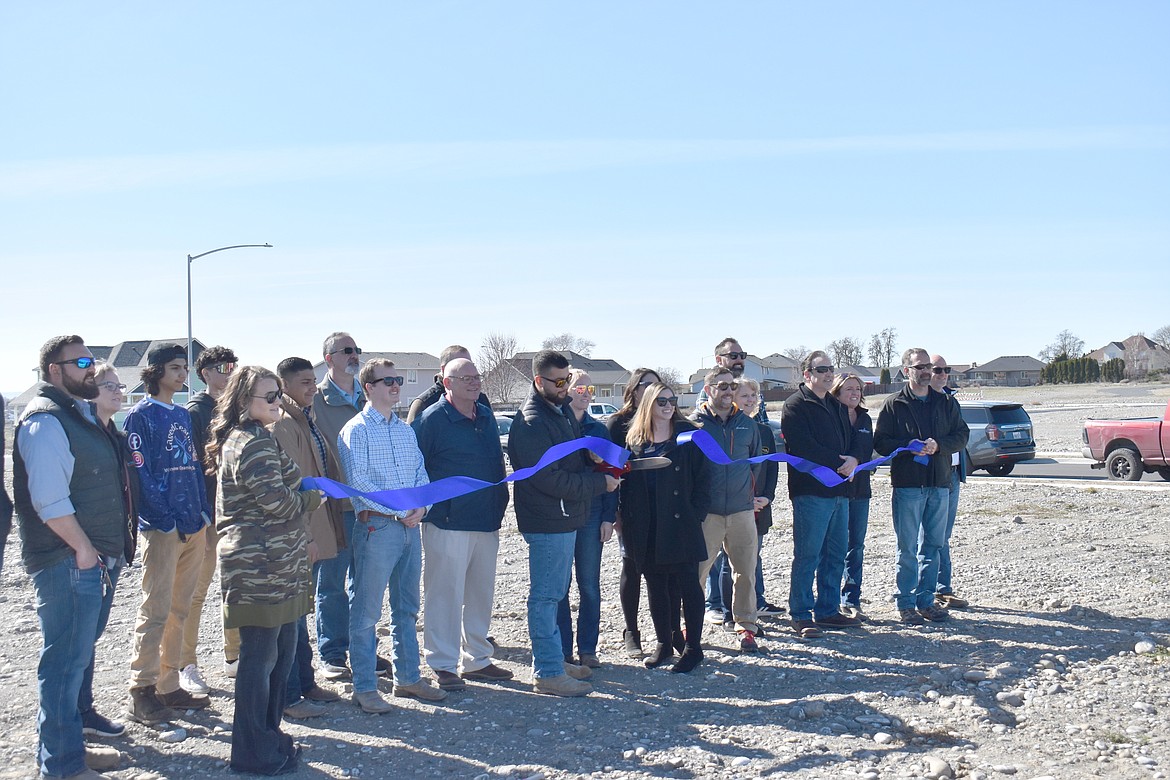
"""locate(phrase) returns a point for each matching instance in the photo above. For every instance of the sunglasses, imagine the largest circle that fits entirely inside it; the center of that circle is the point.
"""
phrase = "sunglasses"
(724, 386)
(735, 355)
(941, 369)
(113, 387)
(347, 350)
(822, 369)
(269, 398)
(664, 402)
(389, 381)
(558, 383)
(920, 366)
(582, 389)
(646, 382)
(225, 368)
(81, 362)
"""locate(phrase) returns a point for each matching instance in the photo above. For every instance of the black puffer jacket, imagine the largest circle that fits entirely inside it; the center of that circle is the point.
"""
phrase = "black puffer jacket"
(556, 499)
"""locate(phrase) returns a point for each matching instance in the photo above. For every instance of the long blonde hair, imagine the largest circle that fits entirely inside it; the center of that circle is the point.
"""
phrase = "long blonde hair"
(231, 410)
(641, 430)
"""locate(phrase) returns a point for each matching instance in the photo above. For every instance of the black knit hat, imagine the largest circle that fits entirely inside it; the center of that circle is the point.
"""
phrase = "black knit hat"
(165, 353)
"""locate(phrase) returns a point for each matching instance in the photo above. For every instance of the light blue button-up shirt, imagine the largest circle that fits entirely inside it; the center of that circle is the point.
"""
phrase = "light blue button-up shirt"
(379, 453)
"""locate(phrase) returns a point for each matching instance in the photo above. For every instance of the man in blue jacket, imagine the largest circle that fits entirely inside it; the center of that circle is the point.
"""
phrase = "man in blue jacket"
(458, 436)
(173, 517)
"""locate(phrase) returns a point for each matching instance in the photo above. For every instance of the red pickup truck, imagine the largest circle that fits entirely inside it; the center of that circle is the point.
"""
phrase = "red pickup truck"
(1126, 449)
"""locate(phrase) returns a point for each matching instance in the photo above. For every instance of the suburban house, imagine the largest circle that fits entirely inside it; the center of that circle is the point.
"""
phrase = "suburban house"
(1141, 355)
(417, 368)
(1007, 371)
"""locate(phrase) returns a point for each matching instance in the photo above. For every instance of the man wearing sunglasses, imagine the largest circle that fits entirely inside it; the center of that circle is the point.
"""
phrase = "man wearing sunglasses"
(921, 491)
(550, 506)
(214, 366)
(173, 517)
(378, 451)
(944, 594)
(730, 524)
(69, 503)
(816, 428)
(731, 356)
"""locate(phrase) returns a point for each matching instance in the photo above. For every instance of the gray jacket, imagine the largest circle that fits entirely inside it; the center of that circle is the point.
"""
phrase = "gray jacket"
(732, 487)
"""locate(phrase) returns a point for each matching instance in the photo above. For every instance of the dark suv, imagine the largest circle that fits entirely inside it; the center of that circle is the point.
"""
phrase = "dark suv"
(1001, 436)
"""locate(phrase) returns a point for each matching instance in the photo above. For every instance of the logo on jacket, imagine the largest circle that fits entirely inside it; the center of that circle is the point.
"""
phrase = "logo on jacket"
(179, 444)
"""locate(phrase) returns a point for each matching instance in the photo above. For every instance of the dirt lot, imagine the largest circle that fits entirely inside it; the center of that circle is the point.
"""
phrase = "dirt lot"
(1060, 669)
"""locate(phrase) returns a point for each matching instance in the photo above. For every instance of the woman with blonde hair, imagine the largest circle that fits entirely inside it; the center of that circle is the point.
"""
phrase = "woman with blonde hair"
(262, 518)
(662, 525)
(850, 390)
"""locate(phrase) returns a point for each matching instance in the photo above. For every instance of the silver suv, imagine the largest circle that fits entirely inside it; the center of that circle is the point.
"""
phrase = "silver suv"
(1001, 436)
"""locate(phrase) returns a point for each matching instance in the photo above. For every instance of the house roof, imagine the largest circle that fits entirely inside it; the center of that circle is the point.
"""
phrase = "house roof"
(603, 371)
(1011, 363)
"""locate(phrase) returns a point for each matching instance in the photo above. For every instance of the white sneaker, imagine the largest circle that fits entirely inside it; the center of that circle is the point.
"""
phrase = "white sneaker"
(230, 667)
(192, 682)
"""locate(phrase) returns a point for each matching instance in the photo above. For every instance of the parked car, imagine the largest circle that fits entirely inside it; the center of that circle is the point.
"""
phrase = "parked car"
(1001, 436)
(1126, 449)
(599, 410)
(504, 423)
(779, 434)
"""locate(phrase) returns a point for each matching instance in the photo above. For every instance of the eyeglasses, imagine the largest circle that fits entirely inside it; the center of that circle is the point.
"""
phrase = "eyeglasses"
(663, 401)
(920, 366)
(558, 383)
(467, 380)
(81, 362)
(269, 398)
(724, 386)
(735, 355)
(113, 387)
(389, 381)
(225, 368)
(941, 369)
(347, 350)
(582, 389)
(822, 369)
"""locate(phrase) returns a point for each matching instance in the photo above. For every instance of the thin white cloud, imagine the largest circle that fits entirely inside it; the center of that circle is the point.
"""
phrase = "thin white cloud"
(412, 161)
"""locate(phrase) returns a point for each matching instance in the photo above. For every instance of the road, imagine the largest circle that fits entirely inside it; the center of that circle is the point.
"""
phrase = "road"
(1068, 467)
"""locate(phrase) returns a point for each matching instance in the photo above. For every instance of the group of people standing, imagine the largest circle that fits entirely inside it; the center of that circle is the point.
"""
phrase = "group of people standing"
(218, 484)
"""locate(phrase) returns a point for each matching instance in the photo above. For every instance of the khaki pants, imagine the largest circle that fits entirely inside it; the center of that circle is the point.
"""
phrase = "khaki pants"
(170, 569)
(231, 636)
(736, 534)
(459, 581)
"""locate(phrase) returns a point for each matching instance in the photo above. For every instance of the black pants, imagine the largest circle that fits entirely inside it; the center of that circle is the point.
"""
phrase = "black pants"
(266, 658)
(666, 588)
(630, 592)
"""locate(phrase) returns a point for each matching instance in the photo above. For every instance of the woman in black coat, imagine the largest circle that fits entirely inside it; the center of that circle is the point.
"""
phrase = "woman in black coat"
(662, 513)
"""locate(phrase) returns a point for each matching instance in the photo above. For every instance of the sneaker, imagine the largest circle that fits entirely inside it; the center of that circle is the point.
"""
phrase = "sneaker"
(421, 690)
(94, 724)
(449, 681)
(372, 702)
(769, 609)
(729, 626)
(100, 758)
(950, 601)
(715, 617)
(230, 668)
(317, 693)
(578, 672)
(633, 643)
(747, 642)
(910, 617)
(837, 620)
(562, 685)
(590, 660)
(934, 614)
(146, 708)
(180, 699)
(335, 671)
(489, 673)
(304, 709)
(384, 667)
(191, 680)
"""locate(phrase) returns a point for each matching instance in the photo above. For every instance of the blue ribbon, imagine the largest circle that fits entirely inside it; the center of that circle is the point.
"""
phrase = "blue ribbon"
(406, 499)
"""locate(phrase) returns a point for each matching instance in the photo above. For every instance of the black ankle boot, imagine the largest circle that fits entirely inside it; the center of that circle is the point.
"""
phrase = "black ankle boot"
(662, 653)
(633, 643)
(679, 641)
(691, 657)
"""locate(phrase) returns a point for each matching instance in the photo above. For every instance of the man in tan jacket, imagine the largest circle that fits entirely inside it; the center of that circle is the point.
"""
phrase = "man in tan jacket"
(299, 436)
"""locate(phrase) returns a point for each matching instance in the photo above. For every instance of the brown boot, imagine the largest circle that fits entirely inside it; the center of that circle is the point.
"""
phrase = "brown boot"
(146, 708)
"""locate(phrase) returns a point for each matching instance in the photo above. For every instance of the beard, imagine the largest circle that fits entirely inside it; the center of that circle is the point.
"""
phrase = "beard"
(352, 370)
(85, 388)
(737, 370)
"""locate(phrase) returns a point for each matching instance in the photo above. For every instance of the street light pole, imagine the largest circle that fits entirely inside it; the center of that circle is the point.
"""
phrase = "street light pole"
(190, 339)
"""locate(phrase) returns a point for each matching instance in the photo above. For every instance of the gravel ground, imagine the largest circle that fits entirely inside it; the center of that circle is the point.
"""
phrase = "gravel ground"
(1059, 670)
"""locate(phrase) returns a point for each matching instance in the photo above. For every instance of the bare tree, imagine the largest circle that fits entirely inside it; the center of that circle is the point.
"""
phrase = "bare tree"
(671, 377)
(567, 341)
(845, 351)
(1066, 344)
(501, 382)
(796, 353)
(1161, 336)
(883, 348)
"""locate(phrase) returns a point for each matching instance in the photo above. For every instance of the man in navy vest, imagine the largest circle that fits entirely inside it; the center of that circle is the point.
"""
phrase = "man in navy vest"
(69, 502)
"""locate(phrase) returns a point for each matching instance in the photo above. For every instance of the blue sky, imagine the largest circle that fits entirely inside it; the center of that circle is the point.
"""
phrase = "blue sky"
(650, 176)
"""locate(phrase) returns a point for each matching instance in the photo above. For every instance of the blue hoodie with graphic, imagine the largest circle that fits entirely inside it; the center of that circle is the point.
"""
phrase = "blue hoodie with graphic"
(173, 492)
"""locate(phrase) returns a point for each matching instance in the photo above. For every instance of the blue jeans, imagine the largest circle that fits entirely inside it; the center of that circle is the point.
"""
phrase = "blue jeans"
(550, 563)
(719, 595)
(855, 553)
(266, 655)
(820, 536)
(334, 592)
(73, 607)
(587, 562)
(944, 552)
(386, 554)
(919, 511)
(300, 675)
